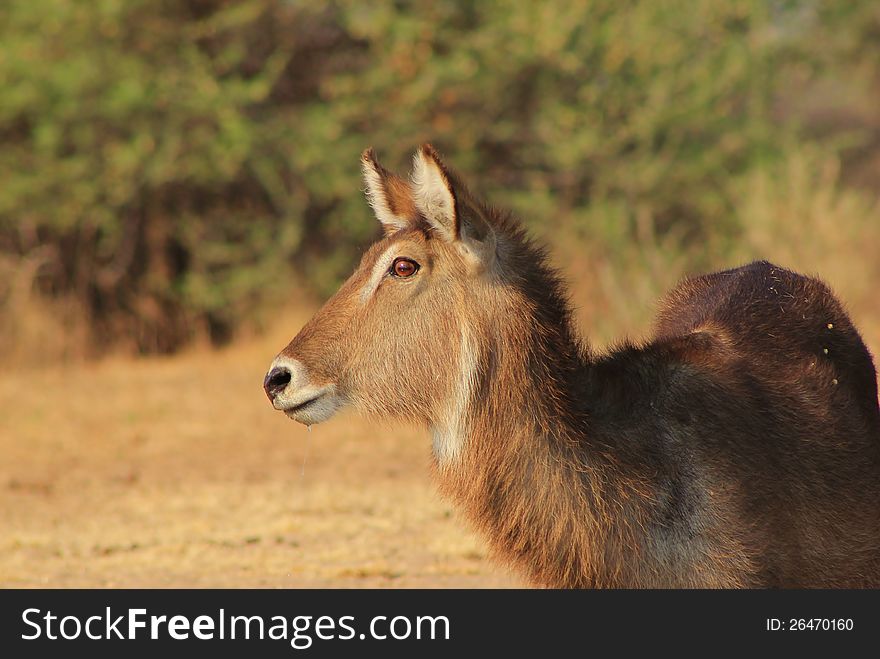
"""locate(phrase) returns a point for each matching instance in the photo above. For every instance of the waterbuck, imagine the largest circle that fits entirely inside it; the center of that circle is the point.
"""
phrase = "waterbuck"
(739, 447)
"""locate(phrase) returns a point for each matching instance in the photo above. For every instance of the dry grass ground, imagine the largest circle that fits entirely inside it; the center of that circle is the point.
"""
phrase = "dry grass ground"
(177, 473)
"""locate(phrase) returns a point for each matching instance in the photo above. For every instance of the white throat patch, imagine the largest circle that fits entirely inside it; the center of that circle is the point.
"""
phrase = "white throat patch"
(449, 433)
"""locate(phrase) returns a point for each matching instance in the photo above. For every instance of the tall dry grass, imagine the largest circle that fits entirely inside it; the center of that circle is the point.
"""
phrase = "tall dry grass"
(34, 328)
(795, 213)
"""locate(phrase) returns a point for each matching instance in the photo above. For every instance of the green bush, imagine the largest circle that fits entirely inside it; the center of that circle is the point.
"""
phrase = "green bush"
(177, 165)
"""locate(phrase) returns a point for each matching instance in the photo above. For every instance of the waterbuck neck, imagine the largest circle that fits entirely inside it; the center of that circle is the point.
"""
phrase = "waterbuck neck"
(520, 367)
(514, 452)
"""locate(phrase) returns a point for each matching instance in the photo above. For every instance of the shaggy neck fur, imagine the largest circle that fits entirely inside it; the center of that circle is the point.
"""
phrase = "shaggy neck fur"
(524, 470)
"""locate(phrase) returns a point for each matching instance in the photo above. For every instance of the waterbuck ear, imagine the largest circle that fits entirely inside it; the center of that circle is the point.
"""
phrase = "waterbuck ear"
(477, 240)
(433, 192)
(388, 195)
(449, 209)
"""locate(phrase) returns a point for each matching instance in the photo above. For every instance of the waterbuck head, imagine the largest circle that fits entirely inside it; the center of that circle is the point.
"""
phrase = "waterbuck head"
(400, 337)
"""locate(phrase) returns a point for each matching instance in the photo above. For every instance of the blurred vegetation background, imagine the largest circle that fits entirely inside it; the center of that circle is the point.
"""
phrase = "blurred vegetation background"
(172, 171)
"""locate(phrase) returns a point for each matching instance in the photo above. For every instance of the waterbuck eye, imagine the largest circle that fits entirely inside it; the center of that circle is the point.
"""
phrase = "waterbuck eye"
(403, 267)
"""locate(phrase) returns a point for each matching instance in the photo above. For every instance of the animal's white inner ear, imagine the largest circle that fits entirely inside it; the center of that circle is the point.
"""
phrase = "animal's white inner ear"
(433, 196)
(376, 181)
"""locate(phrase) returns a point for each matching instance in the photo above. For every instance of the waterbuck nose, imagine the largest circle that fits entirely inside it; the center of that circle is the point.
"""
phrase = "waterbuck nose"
(276, 380)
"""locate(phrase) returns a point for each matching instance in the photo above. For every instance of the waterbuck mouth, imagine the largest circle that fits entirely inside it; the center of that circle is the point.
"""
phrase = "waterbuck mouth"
(310, 406)
(293, 410)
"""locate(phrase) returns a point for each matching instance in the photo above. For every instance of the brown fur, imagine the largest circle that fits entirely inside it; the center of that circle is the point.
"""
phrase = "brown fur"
(397, 191)
(740, 447)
